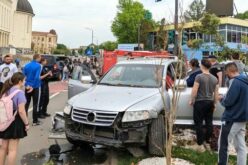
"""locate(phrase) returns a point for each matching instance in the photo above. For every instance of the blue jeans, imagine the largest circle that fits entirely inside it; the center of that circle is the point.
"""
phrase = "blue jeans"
(65, 76)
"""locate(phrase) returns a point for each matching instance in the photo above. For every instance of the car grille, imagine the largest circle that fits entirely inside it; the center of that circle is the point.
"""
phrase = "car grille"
(92, 117)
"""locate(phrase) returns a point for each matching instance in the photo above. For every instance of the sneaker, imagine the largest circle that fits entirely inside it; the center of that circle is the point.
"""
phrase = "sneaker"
(47, 115)
(41, 116)
(36, 123)
(200, 148)
(207, 146)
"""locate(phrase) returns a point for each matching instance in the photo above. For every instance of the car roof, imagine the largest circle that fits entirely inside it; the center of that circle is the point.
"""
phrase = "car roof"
(149, 61)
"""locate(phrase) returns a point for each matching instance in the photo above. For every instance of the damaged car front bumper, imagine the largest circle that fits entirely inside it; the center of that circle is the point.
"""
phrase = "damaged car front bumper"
(115, 136)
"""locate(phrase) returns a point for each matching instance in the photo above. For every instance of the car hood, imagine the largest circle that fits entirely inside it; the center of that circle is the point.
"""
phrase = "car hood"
(112, 98)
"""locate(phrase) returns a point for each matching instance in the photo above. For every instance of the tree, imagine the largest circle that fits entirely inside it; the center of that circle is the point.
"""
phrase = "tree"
(242, 15)
(162, 35)
(62, 49)
(129, 19)
(195, 11)
(208, 24)
(108, 45)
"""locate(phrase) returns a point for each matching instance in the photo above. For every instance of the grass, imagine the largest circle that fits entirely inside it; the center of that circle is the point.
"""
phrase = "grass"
(205, 158)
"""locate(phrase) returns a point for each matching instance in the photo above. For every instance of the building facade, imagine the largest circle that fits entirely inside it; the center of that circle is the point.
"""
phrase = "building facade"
(233, 31)
(15, 25)
(44, 42)
(5, 21)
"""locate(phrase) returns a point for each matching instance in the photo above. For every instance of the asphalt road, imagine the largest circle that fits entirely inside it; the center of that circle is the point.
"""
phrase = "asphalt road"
(33, 149)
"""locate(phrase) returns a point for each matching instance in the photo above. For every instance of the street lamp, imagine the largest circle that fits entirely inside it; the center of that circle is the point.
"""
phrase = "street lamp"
(92, 33)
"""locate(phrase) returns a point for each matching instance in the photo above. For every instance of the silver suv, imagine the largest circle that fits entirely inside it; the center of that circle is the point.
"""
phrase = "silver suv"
(126, 107)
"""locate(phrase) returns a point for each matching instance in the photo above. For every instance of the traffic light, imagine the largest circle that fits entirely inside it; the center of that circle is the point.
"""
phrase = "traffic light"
(171, 36)
(158, 0)
(185, 36)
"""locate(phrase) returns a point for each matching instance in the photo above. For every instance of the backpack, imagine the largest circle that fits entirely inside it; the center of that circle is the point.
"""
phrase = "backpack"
(6, 111)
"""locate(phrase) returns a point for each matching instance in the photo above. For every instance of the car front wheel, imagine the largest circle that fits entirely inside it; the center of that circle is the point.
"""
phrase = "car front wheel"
(157, 136)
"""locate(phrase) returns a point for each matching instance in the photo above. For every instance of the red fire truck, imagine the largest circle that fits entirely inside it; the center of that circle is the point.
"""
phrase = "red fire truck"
(108, 59)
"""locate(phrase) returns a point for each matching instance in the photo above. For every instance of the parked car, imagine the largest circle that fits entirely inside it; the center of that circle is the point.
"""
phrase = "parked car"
(55, 63)
(126, 106)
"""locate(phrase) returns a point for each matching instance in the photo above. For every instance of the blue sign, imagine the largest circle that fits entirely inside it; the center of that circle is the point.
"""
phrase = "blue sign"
(89, 51)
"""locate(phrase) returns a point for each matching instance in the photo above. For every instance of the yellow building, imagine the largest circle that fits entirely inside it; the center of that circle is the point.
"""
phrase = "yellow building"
(5, 18)
(44, 42)
(15, 25)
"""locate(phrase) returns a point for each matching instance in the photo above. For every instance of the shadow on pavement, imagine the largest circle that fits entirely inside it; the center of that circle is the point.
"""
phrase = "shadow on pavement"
(79, 156)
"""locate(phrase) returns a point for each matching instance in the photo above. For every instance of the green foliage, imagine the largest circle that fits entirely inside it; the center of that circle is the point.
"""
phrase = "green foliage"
(242, 15)
(205, 158)
(108, 45)
(195, 11)
(163, 35)
(62, 49)
(81, 51)
(195, 44)
(208, 24)
(130, 17)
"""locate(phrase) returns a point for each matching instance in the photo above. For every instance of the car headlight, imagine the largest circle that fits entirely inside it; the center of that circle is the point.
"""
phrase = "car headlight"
(67, 109)
(131, 116)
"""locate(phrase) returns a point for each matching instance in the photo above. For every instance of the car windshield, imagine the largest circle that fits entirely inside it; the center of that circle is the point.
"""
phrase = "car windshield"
(134, 75)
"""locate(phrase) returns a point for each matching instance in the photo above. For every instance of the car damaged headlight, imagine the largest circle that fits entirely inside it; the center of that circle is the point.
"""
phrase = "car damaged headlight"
(131, 116)
(67, 109)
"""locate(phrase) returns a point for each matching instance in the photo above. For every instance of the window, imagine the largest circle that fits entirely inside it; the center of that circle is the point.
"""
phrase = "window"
(50, 39)
(223, 34)
(239, 28)
(234, 37)
(229, 36)
(229, 27)
(199, 36)
(134, 75)
(206, 38)
(222, 27)
(238, 37)
(42, 39)
(192, 35)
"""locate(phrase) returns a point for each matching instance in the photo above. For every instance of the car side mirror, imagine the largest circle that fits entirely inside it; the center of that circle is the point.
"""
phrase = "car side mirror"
(86, 79)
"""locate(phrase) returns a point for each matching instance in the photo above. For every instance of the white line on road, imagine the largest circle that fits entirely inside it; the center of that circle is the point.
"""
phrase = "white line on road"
(54, 95)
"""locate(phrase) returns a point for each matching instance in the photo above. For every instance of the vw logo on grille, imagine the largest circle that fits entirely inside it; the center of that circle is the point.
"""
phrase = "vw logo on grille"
(91, 117)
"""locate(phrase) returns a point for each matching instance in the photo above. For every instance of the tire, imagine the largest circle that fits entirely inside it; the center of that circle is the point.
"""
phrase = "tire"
(157, 136)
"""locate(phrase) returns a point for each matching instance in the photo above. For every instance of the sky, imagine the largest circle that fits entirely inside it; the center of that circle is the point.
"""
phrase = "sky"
(72, 18)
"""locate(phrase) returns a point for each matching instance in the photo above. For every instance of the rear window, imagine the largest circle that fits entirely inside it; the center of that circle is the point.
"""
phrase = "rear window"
(61, 58)
(50, 60)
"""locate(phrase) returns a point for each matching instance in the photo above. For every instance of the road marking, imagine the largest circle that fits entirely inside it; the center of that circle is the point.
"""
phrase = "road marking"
(54, 95)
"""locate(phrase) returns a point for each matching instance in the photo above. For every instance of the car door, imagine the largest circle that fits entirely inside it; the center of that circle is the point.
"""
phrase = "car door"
(75, 86)
(185, 111)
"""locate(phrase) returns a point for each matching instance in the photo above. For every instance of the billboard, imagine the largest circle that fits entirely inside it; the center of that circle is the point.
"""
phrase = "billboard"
(220, 7)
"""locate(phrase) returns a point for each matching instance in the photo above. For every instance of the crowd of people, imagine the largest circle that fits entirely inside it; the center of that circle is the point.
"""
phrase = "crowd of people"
(205, 80)
(32, 83)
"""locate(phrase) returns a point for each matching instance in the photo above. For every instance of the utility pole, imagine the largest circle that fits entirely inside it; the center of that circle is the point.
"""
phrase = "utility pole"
(139, 36)
(176, 29)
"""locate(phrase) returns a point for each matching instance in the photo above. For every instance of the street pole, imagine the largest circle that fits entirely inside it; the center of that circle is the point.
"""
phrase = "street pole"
(92, 34)
(139, 36)
(92, 37)
(176, 29)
